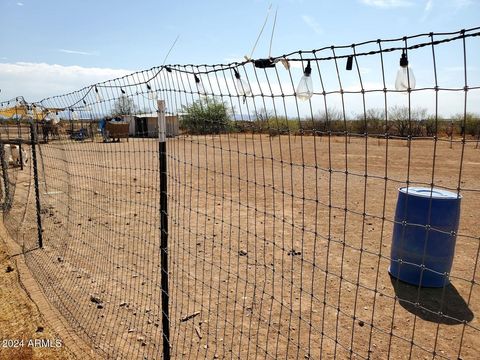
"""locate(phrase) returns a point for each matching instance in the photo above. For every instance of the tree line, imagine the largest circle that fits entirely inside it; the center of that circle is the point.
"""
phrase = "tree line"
(211, 116)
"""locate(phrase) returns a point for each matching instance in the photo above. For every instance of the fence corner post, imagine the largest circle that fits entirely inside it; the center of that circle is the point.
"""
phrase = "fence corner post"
(162, 156)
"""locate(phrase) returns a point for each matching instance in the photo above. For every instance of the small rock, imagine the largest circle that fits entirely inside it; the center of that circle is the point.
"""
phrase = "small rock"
(242, 253)
(39, 329)
(293, 252)
(361, 323)
(9, 269)
(60, 259)
(95, 299)
(100, 306)
(142, 341)
(131, 330)
(123, 303)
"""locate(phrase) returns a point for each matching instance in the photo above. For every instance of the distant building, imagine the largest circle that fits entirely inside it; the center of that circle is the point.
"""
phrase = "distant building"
(146, 125)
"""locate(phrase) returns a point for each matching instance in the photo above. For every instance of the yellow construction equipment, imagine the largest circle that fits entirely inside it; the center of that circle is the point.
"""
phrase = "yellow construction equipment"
(23, 111)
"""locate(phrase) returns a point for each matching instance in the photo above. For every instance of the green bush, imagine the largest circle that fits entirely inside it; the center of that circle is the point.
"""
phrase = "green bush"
(205, 116)
(372, 122)
(405, 122)
(267, 122)
(470, 123)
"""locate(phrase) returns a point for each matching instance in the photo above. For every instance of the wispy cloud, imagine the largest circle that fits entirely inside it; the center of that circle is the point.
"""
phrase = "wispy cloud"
(428, 6)
(78, 52)
(427, 10)
(387, 3)
(29, 79)
(312, 24)
(20, 4)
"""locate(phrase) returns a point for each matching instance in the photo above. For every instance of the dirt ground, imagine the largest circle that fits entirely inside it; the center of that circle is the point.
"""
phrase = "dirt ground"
(278, 247)
(22, 327)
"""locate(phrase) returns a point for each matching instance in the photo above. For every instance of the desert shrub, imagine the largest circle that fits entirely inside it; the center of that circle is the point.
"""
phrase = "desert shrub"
(267, 122)
(405, 123)
(470, 124)
(372, 122)
(205, 116)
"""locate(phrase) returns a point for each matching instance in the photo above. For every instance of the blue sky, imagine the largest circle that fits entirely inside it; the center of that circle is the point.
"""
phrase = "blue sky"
(52, 46)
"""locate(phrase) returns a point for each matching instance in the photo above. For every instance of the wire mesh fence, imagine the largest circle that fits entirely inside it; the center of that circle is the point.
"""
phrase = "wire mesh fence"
(282, 201)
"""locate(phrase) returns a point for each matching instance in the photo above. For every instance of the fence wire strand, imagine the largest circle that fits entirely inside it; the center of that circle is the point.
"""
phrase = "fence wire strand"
(281, 212)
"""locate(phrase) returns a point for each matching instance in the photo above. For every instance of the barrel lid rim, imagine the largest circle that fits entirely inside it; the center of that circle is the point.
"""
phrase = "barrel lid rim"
(428, 192)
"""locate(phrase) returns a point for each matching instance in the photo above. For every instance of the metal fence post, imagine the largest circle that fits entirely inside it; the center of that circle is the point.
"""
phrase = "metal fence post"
(33, 140)
(6, 184)
(162, 155)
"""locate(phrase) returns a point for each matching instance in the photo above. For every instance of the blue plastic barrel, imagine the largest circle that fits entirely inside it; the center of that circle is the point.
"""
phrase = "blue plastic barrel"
(424, 235)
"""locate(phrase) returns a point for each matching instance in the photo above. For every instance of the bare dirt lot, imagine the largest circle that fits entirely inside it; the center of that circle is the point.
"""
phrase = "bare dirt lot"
(24, 333)
(278, 245)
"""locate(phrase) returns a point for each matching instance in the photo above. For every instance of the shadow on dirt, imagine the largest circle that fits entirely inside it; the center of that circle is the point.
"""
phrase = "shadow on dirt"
(439, 305)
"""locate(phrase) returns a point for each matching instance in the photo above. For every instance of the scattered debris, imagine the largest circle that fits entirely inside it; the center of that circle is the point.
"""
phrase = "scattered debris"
(191, 316)
(141, 340)
(197, 330)
(293, 252)
(95, 299)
